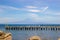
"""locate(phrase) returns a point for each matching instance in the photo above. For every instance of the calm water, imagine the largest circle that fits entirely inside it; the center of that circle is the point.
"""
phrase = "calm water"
(24, 35)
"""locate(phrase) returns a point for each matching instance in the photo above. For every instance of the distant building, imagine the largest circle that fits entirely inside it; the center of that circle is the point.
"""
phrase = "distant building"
(5, 36)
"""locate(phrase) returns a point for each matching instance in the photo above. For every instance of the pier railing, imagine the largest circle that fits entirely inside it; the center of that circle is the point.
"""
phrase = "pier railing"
(51, 28)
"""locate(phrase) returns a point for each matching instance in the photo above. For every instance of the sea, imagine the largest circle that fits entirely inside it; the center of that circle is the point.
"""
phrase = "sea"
(25, 35)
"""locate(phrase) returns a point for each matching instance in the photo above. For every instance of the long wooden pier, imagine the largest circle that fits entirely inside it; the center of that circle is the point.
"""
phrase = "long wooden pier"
(40, 28)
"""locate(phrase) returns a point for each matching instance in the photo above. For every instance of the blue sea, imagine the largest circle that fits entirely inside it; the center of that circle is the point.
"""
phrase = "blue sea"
(25, 35)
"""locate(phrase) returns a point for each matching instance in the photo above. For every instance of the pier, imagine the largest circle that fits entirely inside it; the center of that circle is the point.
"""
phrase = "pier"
(34, 27)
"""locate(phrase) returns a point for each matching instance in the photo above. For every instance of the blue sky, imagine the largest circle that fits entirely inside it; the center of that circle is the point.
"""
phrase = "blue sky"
(30, 11)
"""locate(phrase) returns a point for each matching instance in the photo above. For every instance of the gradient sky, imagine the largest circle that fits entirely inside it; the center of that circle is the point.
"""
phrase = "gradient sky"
(30, 11)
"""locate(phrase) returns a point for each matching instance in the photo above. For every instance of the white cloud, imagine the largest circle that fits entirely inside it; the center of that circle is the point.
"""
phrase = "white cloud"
(36, 9)
(31, 7)
(31, 10)
(44, 9)
(9, 7)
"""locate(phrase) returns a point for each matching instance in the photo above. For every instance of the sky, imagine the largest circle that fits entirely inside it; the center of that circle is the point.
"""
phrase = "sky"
(29, 11)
